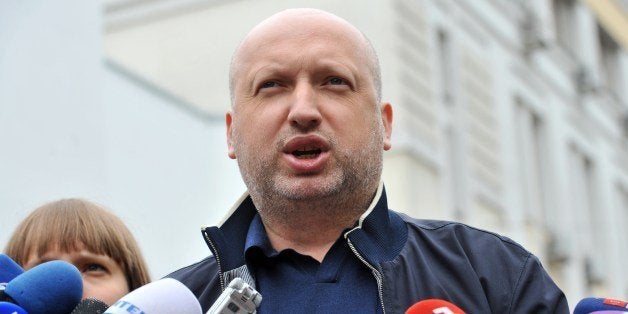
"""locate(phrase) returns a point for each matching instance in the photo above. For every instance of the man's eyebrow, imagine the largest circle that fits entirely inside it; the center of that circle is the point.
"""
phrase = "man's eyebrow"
(268, 69)
(265, 70)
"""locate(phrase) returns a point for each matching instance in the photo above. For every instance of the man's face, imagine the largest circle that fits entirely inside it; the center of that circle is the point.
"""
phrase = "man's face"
(306, 123)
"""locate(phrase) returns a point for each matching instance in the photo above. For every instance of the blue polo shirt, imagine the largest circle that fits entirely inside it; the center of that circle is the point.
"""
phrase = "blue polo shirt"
(289, 280)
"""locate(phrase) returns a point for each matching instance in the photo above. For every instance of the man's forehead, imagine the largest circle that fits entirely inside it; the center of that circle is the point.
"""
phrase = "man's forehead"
(299, 24)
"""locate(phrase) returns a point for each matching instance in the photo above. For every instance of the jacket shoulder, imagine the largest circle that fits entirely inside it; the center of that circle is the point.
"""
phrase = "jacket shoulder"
(490, 268)
(472, 237)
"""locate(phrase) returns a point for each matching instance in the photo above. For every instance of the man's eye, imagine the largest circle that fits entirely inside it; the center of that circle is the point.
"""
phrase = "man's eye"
(268, 84)
(336, 81)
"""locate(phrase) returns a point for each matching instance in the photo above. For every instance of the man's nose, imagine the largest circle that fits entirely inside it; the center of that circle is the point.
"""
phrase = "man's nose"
(304, 109)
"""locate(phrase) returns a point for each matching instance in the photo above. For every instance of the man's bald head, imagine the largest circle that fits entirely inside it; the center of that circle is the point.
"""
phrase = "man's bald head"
(305, 22)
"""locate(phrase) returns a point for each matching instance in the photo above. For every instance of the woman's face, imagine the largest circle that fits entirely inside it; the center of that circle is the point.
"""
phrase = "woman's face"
(103, 278)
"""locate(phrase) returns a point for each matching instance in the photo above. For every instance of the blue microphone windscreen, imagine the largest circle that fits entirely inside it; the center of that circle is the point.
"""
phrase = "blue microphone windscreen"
(54, 287)
(8, 269)
(10, 308)
(593, 305)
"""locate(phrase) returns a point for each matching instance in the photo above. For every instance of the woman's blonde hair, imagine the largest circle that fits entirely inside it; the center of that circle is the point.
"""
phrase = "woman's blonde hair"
(67, 223)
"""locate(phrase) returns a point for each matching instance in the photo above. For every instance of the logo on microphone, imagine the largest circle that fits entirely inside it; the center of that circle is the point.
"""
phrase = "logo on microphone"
(434, 306)
(614, 302)
(126, 306)
(443, 310)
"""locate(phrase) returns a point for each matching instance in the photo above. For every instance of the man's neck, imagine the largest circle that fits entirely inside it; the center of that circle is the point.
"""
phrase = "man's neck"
(309, 230)
(316, 245)
(311, 226)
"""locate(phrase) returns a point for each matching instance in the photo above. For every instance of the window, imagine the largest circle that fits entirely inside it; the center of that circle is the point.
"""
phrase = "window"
(565, 24)
(622, 223)
(453, 148)
(532, 173)
(445, 67)
(610, 63)
(530, 142)
(583, 196)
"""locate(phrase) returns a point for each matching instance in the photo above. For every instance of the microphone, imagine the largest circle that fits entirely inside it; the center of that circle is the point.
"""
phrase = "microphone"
(90, 306)
(9, 269)
(54, 287)
(600, 305)
(434, 306)
(237, 298)
(10, 308)
(162, 296)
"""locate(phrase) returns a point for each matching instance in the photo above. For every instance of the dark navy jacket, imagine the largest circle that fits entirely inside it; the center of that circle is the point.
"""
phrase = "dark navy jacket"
(411, 260)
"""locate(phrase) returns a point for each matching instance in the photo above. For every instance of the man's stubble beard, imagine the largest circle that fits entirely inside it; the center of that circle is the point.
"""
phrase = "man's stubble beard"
(341, 194)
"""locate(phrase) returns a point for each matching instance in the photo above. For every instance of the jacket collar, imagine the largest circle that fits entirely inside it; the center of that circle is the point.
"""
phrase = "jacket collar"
(227, 240)
(379, 235)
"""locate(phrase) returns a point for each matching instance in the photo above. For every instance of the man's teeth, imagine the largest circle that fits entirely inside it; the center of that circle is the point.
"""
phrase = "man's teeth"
(306, 152)
(306, 156)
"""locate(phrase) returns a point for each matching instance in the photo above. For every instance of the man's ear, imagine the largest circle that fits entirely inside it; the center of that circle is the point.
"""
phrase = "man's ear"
(229, 122)
(387, 119)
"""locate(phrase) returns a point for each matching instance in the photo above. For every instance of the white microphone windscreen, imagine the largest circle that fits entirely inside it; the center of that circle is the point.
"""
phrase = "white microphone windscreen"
(163, 296)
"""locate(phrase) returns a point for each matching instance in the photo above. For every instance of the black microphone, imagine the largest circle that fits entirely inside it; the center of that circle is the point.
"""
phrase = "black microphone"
(600, 305)
(90, 306)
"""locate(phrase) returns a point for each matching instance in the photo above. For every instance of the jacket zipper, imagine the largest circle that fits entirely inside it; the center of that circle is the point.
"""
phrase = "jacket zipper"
(376, 274)
(215, 252)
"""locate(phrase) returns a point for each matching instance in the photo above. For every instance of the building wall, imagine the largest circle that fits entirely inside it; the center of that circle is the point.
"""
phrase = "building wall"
(167, 170)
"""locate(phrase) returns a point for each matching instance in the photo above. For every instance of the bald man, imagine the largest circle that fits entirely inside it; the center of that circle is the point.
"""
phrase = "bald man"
(313, 233)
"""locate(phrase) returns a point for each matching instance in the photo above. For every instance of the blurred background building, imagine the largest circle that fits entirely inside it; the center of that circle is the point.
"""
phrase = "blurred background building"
(510, 115)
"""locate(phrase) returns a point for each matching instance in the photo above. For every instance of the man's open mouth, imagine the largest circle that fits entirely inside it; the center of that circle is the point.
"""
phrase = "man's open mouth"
(306, 152)
(308, 149)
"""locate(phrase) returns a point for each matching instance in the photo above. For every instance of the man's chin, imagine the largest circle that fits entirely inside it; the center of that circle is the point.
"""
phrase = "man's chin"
(308, 189)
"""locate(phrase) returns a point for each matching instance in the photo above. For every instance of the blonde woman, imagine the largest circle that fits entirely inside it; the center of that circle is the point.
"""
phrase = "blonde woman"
(91, 238)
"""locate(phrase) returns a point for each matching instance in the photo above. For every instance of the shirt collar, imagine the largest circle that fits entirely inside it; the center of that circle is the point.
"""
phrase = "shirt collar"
(256, 237)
